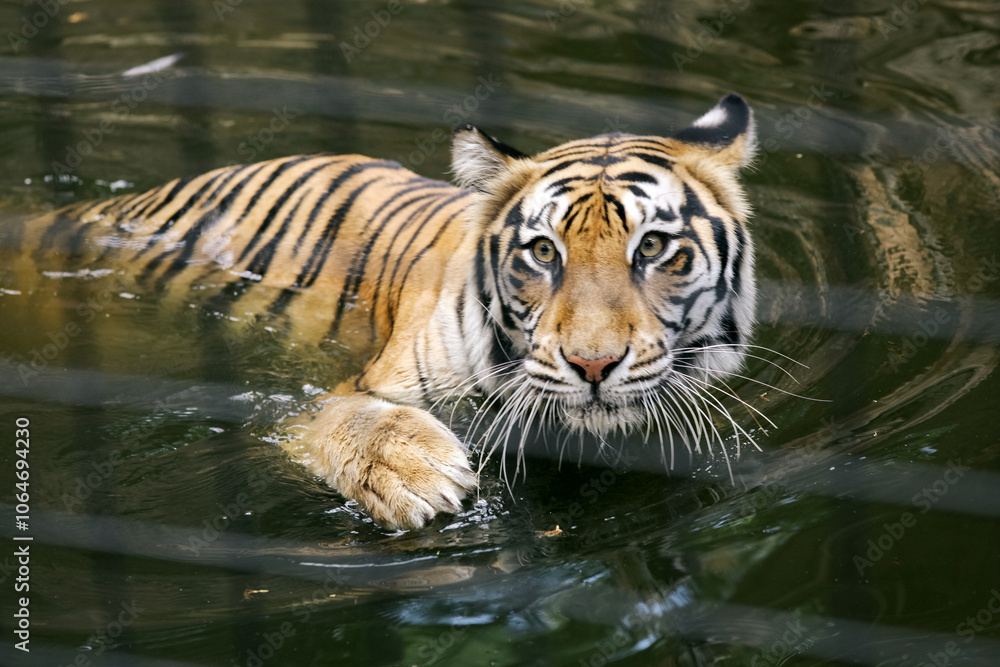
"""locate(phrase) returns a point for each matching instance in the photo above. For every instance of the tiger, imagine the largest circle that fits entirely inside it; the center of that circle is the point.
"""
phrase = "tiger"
(595, 284)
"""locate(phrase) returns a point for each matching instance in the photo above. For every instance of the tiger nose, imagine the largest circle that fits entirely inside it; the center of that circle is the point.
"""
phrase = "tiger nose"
(593, 370)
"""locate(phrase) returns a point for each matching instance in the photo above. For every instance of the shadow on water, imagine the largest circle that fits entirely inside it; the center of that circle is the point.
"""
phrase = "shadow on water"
(169, 529)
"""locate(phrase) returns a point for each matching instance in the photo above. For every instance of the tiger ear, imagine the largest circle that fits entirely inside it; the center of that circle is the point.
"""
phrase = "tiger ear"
(728, 131)
(477, 158)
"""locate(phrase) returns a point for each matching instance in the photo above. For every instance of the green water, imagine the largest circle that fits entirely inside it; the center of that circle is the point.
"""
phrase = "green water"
(169, 529)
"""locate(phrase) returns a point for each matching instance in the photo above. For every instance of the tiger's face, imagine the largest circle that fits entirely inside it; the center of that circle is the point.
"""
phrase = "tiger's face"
(620, 266)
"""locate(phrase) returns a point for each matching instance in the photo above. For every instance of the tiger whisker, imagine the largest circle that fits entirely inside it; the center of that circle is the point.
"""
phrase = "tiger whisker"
(484, 412)
(712, 372)
(743, 345)
(499, 370)
(728, 391)
(703, 410)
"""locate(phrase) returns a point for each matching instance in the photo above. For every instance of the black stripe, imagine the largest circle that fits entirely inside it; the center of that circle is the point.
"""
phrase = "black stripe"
(659, 160)
(125, 216)
(206, 222)
(560, 185)
(361, 259)
(177, 215)
(738, 260)
(283, 300)
(495, 262)
(261, 261)
(668, 324)
(545, 364)
(584, 146)
(722, 248)
(635, 177)
(693, 208)
(619, 209)
(730, 333)
(518, 265)
(479, 268)
(332, 189)
(75, 244)
(156, 237)
(321, 249)
(65, 219)
(358, 277)
(501, 346)
(421, 376)
(647, 362)
(279, 202)
(266, 185)
(354, 277)
(571, 216)
(515, 217)
(227, 202)
(143, 200)
(555, 168)
(426, 248)
(169, 197)
(688, 265)
(576, 210)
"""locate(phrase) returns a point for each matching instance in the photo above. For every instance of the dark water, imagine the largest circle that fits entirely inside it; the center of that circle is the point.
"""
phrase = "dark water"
(169, 529)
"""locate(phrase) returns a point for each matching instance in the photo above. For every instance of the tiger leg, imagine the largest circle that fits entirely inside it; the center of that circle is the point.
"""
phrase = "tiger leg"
(399, 462)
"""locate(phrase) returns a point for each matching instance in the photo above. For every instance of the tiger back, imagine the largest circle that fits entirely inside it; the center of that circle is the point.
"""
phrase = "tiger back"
(310, 238)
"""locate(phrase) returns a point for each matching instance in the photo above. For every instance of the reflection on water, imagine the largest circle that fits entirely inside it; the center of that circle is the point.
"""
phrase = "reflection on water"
(865, 532)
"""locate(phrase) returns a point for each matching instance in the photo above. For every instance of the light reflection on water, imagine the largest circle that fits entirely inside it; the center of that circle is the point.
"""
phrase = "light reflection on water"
(876, 202)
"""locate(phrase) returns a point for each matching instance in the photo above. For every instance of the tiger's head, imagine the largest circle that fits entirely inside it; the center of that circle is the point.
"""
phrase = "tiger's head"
(619, 267)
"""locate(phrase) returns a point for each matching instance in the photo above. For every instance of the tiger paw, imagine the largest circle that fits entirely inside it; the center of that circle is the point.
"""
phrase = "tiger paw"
(400, 463)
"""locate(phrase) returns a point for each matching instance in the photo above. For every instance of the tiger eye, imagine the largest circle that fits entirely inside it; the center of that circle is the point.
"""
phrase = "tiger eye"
(651, 245)
(543, 250)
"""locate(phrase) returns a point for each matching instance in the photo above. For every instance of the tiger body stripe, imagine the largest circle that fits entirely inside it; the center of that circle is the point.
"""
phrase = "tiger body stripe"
(220, 253)
(603, 283)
